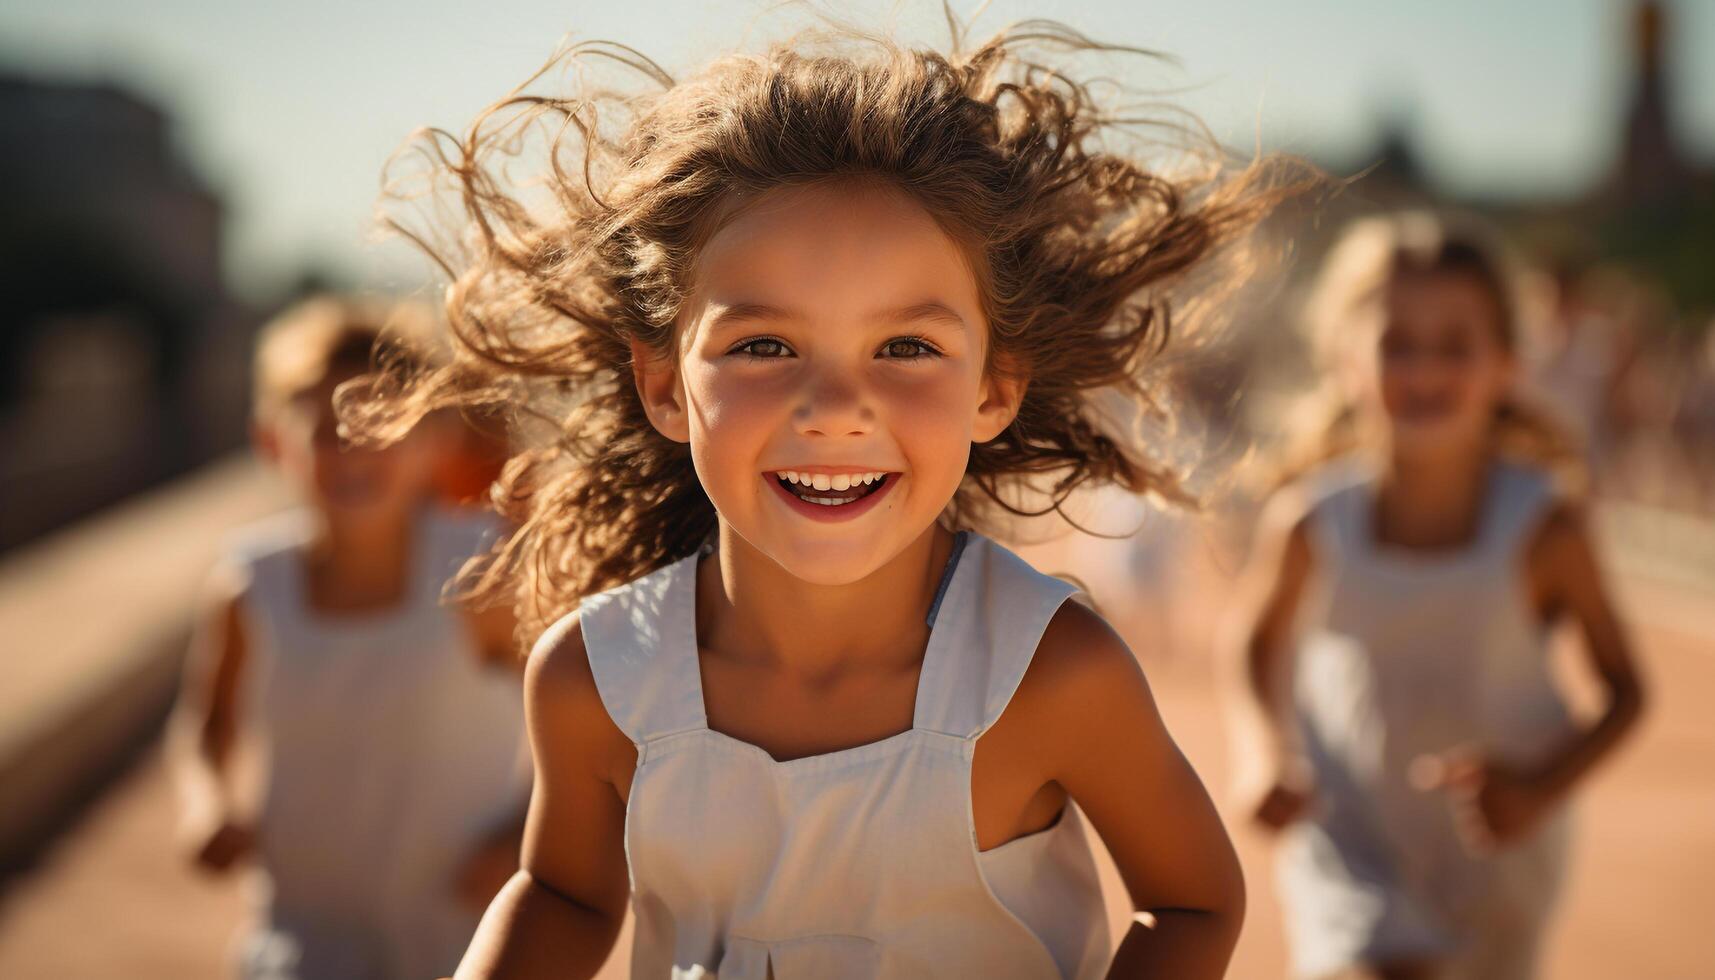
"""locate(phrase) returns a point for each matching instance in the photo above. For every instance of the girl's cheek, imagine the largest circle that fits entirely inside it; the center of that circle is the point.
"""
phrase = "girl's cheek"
(726, 398)
(933, 430)
(934, 413)
(931, 390)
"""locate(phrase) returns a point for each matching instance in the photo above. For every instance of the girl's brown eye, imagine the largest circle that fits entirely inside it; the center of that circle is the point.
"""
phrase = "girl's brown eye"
(762, 347)
(908, 348)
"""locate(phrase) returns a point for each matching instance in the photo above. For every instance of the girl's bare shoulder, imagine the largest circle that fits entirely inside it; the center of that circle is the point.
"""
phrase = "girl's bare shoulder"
(1564, 526)
(559, 658)
(226, 593)
(1083, 676)
(1084, 708)
(1561, 555)
(1080, 647)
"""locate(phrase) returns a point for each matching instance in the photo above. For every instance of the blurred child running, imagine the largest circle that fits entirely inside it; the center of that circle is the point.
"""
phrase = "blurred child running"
(1398, 608)
(389, 726)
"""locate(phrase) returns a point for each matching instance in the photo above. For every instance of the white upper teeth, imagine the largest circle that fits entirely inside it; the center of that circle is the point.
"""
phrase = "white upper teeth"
(824, 481)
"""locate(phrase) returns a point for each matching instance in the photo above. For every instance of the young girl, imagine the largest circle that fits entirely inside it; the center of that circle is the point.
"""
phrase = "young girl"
(797, 326)
(1401, 598)
(389, 724)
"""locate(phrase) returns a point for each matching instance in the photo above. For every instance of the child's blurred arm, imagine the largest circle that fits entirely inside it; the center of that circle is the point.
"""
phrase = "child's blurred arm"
(1268, 596)
(560, 914)
(204, 729)
(1093, 728)
(1564, 566)
(1504, 803)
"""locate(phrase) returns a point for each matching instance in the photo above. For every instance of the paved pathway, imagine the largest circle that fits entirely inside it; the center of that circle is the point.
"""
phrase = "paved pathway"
(111, 899)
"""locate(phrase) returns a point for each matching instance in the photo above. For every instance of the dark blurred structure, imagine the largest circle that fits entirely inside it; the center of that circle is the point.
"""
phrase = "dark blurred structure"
(1646, 211)
(122, 354)
(1651, 171)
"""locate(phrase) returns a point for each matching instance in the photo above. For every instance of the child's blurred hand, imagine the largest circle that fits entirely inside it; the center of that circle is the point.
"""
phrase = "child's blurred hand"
(222, 847)
(1495, 804)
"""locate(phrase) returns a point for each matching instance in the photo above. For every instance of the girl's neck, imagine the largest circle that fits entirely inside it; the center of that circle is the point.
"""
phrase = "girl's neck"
(355, 565)
(749, 607)
(1431, 502)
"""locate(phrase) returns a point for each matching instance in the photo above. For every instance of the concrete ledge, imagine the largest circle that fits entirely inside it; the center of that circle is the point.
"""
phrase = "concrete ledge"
(93, 624)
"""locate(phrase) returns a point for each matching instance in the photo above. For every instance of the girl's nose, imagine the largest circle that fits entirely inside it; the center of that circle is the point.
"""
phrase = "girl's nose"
(832, 405)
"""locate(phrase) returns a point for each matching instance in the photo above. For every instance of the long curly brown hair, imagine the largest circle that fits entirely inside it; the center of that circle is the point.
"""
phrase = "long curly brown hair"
(1083, 253)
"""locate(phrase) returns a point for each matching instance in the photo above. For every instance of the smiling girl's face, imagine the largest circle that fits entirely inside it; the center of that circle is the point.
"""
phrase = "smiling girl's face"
(830, 377)
(1440, 365)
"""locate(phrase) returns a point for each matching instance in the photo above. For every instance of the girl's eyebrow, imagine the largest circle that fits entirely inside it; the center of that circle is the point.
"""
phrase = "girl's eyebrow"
(930, 310)
(748, 313)
(933, 310)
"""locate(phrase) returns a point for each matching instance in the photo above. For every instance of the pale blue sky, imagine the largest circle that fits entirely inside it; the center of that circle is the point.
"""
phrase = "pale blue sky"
(290, 108)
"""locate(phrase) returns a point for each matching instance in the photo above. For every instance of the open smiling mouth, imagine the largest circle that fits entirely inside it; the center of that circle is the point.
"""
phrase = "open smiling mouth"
(831, 490)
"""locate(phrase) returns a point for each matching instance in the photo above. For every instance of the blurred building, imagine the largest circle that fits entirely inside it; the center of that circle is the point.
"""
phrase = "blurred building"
(1653, 210)
(122, 355)
(1651, 170)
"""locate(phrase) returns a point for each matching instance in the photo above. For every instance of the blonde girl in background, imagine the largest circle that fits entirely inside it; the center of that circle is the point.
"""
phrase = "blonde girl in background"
(1419, 759)
(789, 335)
(389, 726)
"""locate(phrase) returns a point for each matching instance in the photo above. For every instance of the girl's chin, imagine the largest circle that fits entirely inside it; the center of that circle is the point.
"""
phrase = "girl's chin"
(822, 546)
(1438, 440)
(838, 559)
(830, 556)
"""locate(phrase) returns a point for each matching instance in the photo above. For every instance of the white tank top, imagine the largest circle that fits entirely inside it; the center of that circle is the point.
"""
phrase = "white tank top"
(1403, 653)
(388, 752)
(859, 863)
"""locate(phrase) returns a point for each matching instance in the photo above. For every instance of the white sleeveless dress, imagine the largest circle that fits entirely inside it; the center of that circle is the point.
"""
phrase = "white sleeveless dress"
(1400, 654)
(860, 863)
(388, 751)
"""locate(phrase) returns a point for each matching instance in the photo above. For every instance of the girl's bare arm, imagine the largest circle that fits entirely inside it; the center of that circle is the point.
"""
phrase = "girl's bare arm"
(1269, 592)
(1273, 783)
(1103, 741)
(1565, 576)
(559, 915)
(205, 724)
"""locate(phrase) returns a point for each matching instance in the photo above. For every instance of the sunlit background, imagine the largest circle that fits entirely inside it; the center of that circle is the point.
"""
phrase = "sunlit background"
(176, 172)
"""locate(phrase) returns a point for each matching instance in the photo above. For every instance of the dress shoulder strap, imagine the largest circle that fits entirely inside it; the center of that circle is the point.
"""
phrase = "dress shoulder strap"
(987, 625)
(267, 555)
(1521, 497)
(641, 639)
(1336, 498)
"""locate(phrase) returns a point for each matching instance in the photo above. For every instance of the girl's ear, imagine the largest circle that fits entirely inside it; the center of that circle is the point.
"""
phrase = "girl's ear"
(659, 386)
(1002, 393)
